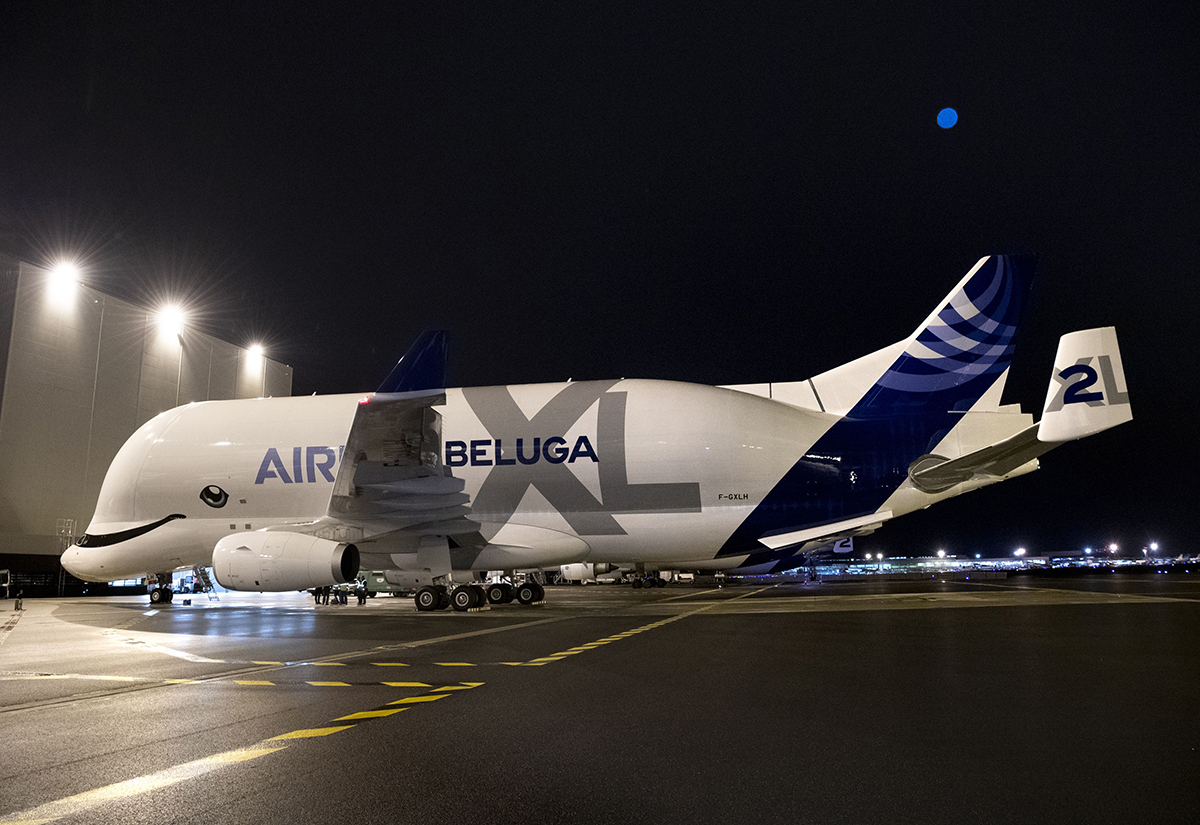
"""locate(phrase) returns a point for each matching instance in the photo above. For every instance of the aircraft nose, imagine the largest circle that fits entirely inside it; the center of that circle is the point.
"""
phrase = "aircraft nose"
(75, 561)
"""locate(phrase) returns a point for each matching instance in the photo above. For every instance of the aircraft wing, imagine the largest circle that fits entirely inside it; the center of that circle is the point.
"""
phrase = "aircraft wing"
(391, 475)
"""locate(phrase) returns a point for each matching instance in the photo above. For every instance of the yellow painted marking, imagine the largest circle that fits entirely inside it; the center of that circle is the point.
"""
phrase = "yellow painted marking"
(389, 664)
(404, 684)
(241, 755)
(412, 700)
(310, 733)
(330, 684)
(464, 686)
(267, 663)
(181, 681)
(250, 682)
(535, 664)
(79, 804)
(454, 664)
(565, 653)
(514, 664)
(328, 664)
(369, 714)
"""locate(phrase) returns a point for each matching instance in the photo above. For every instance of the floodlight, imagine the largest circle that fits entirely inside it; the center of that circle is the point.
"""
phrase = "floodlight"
(170, 321)
(255, 350)
(63, 278)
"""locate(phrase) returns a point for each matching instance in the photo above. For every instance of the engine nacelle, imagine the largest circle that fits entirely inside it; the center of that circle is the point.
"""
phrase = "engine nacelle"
(585, 571)
(279, 561)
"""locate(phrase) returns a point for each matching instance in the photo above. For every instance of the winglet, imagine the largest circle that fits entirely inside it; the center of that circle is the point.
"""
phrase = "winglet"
(423, 367)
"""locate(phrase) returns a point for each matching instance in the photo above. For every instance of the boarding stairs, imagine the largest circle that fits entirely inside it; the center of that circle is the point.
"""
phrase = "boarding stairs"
(201, 574)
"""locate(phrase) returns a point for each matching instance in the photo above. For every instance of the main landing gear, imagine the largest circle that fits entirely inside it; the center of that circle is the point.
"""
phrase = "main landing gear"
(649, 581)
(468, 596)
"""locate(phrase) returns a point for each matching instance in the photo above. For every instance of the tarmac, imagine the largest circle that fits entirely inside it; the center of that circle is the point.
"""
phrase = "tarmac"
(1026, 699)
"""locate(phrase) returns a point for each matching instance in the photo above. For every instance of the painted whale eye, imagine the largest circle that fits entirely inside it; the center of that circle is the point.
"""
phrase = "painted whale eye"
(214, 496)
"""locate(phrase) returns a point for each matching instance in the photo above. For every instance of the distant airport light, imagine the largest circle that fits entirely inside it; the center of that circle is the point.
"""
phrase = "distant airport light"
(879, 556)
(1112, 548)
(947, 117)
(941, 554)
(1087, 550)
(1154, 546)
(1020, 551)
(976, 555)
(170, 321)
(63, 278)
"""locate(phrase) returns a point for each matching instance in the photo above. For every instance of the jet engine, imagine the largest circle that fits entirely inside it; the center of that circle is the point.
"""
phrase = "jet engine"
(279, 561)
(586, 571)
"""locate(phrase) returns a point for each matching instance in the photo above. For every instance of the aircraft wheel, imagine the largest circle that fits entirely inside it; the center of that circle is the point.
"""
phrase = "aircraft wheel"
(527, 593)
(540, 592)
(168, 595)
(637, 584)
(443, 598)
(427, 598)
(660, 582)
(495, 593)
(156, 596)
(509, 592)
(463, 598)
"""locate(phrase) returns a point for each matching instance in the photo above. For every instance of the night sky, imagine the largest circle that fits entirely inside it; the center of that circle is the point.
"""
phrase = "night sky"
(728, 193)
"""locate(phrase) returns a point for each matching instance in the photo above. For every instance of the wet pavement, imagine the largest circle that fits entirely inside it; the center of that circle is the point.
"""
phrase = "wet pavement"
(1031, 698)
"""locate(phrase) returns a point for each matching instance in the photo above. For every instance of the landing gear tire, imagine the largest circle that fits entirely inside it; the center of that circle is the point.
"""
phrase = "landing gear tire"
(530, 592)
(443, 598)
(168, 595)
(427, 598)
(156, 596)
(637, 584)
(463, 598)
(481, 597)
(660, 582)
(499, 593)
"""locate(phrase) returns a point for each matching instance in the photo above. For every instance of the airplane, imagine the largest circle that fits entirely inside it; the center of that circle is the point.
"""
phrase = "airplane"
(438, 485)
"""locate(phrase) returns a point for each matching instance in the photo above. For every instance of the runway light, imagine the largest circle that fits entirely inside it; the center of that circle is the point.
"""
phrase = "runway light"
(63, 278)
(170, 321)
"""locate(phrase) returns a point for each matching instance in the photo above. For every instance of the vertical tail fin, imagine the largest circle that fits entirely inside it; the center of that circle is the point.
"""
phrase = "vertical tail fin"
(1088, 391)
(961, 351)
(423, 367)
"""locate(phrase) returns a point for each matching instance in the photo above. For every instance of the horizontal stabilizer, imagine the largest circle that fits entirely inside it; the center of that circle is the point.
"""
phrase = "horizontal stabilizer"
(1088, 393)
(933, 474)
(862, 524)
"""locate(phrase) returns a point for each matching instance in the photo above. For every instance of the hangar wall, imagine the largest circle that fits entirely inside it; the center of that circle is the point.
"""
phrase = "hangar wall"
(80, 371)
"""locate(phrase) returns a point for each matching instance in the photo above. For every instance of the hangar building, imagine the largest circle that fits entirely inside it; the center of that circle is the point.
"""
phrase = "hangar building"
(80, 371)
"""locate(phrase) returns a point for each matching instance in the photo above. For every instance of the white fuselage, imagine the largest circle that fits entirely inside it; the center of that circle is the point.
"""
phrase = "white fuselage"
(710, 454)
